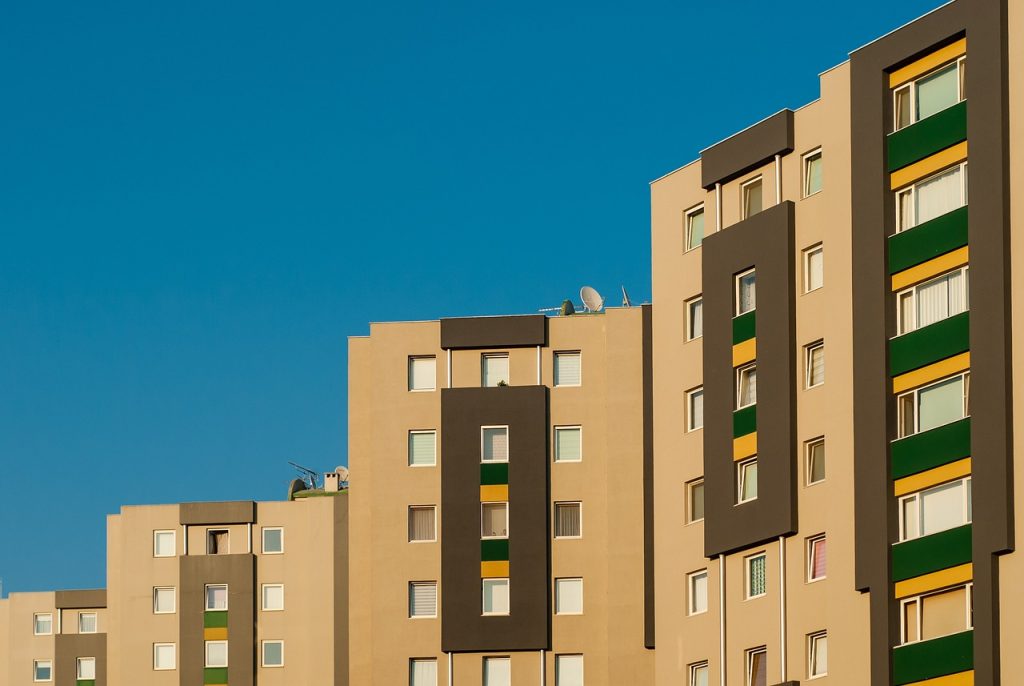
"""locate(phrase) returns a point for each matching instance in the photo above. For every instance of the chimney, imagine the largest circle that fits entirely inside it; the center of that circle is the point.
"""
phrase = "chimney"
(332, 482)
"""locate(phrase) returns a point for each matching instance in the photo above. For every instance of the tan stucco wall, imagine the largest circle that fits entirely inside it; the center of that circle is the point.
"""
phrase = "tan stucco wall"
(18, 644)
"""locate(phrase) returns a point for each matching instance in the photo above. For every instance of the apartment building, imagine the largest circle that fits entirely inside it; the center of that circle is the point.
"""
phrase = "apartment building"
(503, 471)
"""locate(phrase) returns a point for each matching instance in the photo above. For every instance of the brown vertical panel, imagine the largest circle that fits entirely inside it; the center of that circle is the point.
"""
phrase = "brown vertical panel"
(69, 647)
(648, 399)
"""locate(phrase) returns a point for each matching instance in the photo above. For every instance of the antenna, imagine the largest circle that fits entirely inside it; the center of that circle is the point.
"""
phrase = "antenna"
(625, 298)
(592, 300)
(342, 473)
(308, 476)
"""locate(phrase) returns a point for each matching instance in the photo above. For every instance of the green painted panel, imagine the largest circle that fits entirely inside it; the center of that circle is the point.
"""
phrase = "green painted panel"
(928, 136)
(215, 675)
(927, 241)
(934, 658)
(744, 421)
(743, 327)
(933, 448)
(85, 682)
(494, 550)
(215, 619)
(931, 553)
(494, 474)
(929, 344)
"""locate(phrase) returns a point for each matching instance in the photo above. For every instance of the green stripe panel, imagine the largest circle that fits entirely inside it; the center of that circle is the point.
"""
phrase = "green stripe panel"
(933, 448)
(494, 474)
(744, 421)
(215, 675)
(929, 344)
(931, 553)
(85, 682)
(494, 550)
(928, 136)
(934, 658)
(215, 619)
(927, 241)
(743, 327)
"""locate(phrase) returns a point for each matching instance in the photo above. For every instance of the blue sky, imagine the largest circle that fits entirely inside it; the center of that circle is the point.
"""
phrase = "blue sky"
(201, 201)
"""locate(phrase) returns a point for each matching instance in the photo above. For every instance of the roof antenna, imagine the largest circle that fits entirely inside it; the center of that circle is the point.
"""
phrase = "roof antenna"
(625, 298)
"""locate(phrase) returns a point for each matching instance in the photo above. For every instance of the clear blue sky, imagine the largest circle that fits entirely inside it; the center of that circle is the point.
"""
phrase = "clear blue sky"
(201, 200)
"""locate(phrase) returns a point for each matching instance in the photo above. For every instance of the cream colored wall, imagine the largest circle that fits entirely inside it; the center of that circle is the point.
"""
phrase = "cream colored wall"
(19, 646)
(5, 640)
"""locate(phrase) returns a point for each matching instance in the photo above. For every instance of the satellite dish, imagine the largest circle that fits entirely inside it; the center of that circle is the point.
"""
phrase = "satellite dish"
(592, 300)
(625, 298)
(342, 473)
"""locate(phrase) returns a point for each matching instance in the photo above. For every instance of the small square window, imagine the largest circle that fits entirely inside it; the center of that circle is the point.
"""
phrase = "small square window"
(164, 600)
(165, 656)
(422, 524)
(86, 667)
(422, 448)
(756, 570)
(87, 622)
(695, 500)
(216, 653)
(496, 597)
(568, 368)
(273, 597)
(42, 670)
(497, 671)
(568, 596)
(216, 597)
(757, 667)
(812, 172)
(814, 268)
(694, 318)
(746, 386)
(422, 373)
(694, 221)
(816, 558)
(695, 409)
(42, 624)
(751, 197)
(494, 444)
(423, 599)
(423, 672)
(273, 540)
(746, 292)
(814, 374)
(746, 480)
(817, 655)
(568, 444)
(698, 674)
(568, 520)
(697, 586)
(494, 369)
(493, 520)
(568, 670)
(815, 461)
(273, 653)
(218, 542)
(164, 544)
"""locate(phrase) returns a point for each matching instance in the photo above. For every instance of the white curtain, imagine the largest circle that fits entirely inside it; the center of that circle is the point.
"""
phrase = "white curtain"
(568, 670)
(939, 195)
(422, 524)
(422, 373)
(423, 673)
(497, 671)
(495, 369)
(567, 519)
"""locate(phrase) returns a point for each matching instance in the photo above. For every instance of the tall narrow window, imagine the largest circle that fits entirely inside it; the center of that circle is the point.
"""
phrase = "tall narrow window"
(494, 520)
(757, 667)
(164, 544)
(812, 172)
(423, 672)
(933, 405)
(935, 509)
(932, 301)
(746, 478)
(746, 292)
(698, 674)
(568, 369)
(422, 524)
(814, 374)
(422, 373)
(422, 448)
(746, 386)
(817, 655)
(932, 197)
(568, 596)
(86, 668)
(814, 268)
(165, 656)
(494, 446)
(568, 444)
(422, 599)
(496, 597)
(815, 461)
(698, 592)
(695, 500)
(695, 409)
(816, 558)
(694, 318)
(568, 520)
(756, 570)
(497, 671)
(494, 369)
(568, 670)
(694, 227)
(750, 193)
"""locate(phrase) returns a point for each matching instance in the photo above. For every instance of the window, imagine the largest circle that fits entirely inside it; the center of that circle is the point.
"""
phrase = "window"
(568, 596)
(756, 582)
(218, 542)
(929, 94)
(933, 405)
(695, 409)
(695, 500)
(932, 301)
(935, 509)
(697, 584)
(937, 614)
(422, 448)
(496, 597)
(814, 372)
(750, 194)
(694, 318)
(86, 622)
(273, 540)
(42, 624)
(757, 667)
(273, 653)
(568, 369)
(497, 671)
(423, 672)
(568, 670)
(817, 655)
(164, 600)
(746, 386)
(216, 653)
(494, 444)
(568, 520)
(422, 373)
(163, 544)
(494, 369)
(698, 674)
(42, 670)
(931, 197)
(86, 667)
(216, 597)
(165, 656)
(493, 520)
(423, 599)
(568, 444)
(746, 292)
(815, 461)
(816, 558)
(814, 268)
(694, 220)
(422, 524)
(812, 172)
(746, 480)
(273, 597)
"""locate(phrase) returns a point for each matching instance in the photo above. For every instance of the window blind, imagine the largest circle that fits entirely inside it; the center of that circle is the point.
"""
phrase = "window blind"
(815, 269)
(697, 318)
(939, 195)
(568, 444)
(423, 673)
(422, 445)
(819, 655)
(699, 592)
(497, 671)
(567, 369)
(495, 369)
(568, 520)
(423, 599)
(697, 409)
(422, 522)
(569, 596)
(422, 373)
(818, 559)
(568, 670)
(495, 448)
(816, 365)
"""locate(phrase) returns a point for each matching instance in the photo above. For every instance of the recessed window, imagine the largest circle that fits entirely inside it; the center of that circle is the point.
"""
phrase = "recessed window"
(746, 480)
(273, 540)
(86, 667)
(815, 461)
(697, 587)
(423, 599)
(494, 444)
(87, 622)
(273, 597)
(42, 623)
(422, 373)
(164, 600)
(216, 597)
(568, 520)
(934, 615)
(568, 368)
(698, 674)
(494, 520)
(568, 596)
(218, 542)
(568, 444)
(695, 500)
(814, 370)
(494, 369)
(165, 656)
(496, 597)
(694, 220)
(42, 670)
(756, 568)
(273, 653)
(422, 524)
(816, 558)
(933, 405)
(935, 509)
(757, 667)
(746, 386)
(929, 94)
(568, 670)
(812, 172)
(423, 672)
(933, 301)
(497, 671)
(932, 197)
(216, 653)
(814, 268)
(746, 292)
(695, 409)
(164, 544)
(817, 655)
(422, 448)
(751, 197)
(694, 318)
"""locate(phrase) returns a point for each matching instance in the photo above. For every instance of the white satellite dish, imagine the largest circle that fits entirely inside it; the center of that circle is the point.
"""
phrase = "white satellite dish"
(342, 473)
(592, 300)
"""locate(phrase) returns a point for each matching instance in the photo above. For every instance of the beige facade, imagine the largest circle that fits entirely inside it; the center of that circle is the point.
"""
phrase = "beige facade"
(20, 644)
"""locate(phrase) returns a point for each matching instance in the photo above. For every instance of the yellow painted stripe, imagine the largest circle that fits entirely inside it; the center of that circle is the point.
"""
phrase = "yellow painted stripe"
(494, 494)
(958, 679)
(918, 377)
(926, 270)
(744, 352)
(927, 63)
(933, 477)
(494, 569)
(220, 634)
(930, 582)
(928, 166)
(744, 446)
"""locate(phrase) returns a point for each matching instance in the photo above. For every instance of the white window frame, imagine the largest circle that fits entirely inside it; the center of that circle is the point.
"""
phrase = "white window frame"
(965, 504)
(736, 292)
(263, 653)
(263, 540)
(156, 647)
(916, 393)
(174, 600)
(95, 622)
(483, 595)
(413, 661)
(79, 661)
(433, 510)
(558, 665)
(755, 180)
(809, 552)
(508, 520)
(409, 447)
(692, 672)
(413, 584)
(690, 487)
(554, 362)
(554, 523)
(688, 216)
(567, 427)
(805, 165)
(495, 356)
(564, 579)
(910, 85)
(812, 653)
(174, 538)
(689, 334)
(263, 598)
(741, 479)
(808, 364)
(508, 443)
(691, 596)
(740, 372)
(206, 597)
(747, 561)
(918, 599)
(36, 664)
(809, 460)
(912, 294)
(912, 190)
(690, 395)
(206, 653)
(817, 248)
(750, 653)
(35, 623)
(409, 374)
